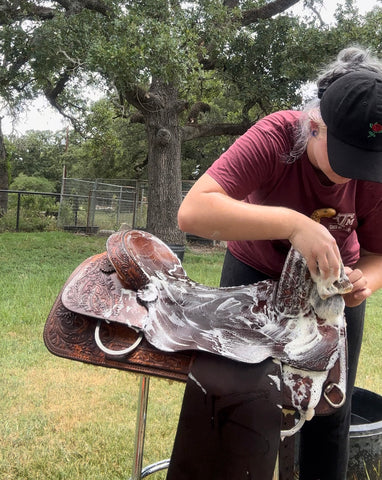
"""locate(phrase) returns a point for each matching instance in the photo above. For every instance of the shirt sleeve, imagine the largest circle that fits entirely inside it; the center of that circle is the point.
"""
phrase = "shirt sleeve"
(369, 214)
(250, 162)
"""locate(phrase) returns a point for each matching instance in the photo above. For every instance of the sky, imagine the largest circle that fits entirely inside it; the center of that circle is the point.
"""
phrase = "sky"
(329, 6)
(41, 116)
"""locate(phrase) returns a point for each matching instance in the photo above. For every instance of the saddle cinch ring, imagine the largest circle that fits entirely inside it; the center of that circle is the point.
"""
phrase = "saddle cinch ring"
(109, 351)
(332, 387)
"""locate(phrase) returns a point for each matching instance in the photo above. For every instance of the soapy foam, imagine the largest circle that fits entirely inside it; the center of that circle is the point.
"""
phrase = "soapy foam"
(287, 320)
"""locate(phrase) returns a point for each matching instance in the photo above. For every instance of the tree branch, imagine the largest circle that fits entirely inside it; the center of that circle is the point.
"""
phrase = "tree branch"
(12, 68)
(316, 12)
(73, 7)
(196, 109)
(192, 131)
(251, 16)
(266, 11)
(231, 3)
(246, 108)
(29, 11)
(140, 98)
(51, 93)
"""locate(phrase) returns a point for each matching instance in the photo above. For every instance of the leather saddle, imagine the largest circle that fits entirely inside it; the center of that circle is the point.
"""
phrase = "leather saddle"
(134, 307)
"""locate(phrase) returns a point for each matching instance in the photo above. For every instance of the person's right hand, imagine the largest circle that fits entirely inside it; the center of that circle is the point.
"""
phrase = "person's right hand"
(318, 247)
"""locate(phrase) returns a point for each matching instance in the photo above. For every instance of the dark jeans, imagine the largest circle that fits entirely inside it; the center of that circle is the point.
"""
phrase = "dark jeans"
(229, 426)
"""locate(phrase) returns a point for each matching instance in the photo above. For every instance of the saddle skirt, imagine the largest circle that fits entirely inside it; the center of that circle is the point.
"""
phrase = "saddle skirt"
(140, 283)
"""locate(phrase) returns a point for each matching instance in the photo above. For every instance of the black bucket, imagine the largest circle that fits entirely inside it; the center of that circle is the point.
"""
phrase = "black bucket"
(365, 456)
(178, 250)
(365, 459)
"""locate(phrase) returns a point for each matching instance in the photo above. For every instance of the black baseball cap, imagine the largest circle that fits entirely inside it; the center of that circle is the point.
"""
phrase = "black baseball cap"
(351, 108)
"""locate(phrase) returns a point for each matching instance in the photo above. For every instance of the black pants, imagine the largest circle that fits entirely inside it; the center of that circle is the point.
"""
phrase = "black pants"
(229, 426)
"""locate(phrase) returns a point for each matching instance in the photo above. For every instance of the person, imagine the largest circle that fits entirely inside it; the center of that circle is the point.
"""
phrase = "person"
(259, 196)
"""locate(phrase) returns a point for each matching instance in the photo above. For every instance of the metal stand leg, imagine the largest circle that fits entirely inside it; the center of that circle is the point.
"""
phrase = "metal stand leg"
(276, 472)
(140, 430)
(140, 427)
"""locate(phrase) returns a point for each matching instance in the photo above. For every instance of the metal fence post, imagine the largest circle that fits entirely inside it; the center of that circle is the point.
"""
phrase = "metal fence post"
(18, 212)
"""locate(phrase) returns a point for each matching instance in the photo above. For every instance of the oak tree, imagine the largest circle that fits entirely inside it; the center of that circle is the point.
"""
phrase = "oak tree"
(163, 63)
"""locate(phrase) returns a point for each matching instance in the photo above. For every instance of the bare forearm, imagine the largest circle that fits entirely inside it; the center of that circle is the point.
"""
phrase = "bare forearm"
(371, 267)
(222, 218)
(209, 212)
(366, 277)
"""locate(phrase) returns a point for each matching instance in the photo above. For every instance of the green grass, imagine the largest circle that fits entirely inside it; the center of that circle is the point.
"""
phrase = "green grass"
(61, 419)
(370, 367)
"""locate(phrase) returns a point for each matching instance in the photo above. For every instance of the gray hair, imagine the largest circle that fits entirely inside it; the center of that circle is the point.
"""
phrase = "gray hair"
(351, 59)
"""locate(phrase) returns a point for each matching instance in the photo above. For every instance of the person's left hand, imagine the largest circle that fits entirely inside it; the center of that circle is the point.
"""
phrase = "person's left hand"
(360, 290)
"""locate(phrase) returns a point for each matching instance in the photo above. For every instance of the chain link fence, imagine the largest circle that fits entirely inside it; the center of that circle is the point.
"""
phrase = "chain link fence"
(82, 206)
(102, 205)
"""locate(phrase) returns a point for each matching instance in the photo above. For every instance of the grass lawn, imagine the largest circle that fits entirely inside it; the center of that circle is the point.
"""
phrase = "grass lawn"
(61, 419)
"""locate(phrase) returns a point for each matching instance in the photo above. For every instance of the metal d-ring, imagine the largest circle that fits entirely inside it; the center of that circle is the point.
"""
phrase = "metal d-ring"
(116, 353)
(328, 389)
(292, 431)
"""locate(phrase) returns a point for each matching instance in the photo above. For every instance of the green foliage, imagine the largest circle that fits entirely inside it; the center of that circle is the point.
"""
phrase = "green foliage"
(8, 221)
(111, 148)
(158, 40)
(371, 33)
(31, 184)
(262, 54)
(36, 212)
(38, 154)
(156, 58)
(198, 155)
(114, 147)
(15, 86)
(262, 64)
(30, 220)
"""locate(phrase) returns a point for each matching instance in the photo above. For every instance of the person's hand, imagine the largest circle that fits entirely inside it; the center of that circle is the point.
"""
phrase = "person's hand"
(318, 247)
(360, 290)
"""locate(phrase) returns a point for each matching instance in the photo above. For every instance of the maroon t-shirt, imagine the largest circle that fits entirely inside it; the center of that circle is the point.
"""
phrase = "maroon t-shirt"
(254, 170)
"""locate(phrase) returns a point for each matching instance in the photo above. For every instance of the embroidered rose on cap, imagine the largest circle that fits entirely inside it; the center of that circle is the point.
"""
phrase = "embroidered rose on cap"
(375, 128)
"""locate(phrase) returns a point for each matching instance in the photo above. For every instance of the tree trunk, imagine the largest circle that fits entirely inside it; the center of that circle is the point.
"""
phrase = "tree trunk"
(164, 164)
(4, 179)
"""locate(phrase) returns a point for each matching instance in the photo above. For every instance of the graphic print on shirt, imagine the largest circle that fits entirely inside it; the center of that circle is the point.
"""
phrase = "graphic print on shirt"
(342, 221)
